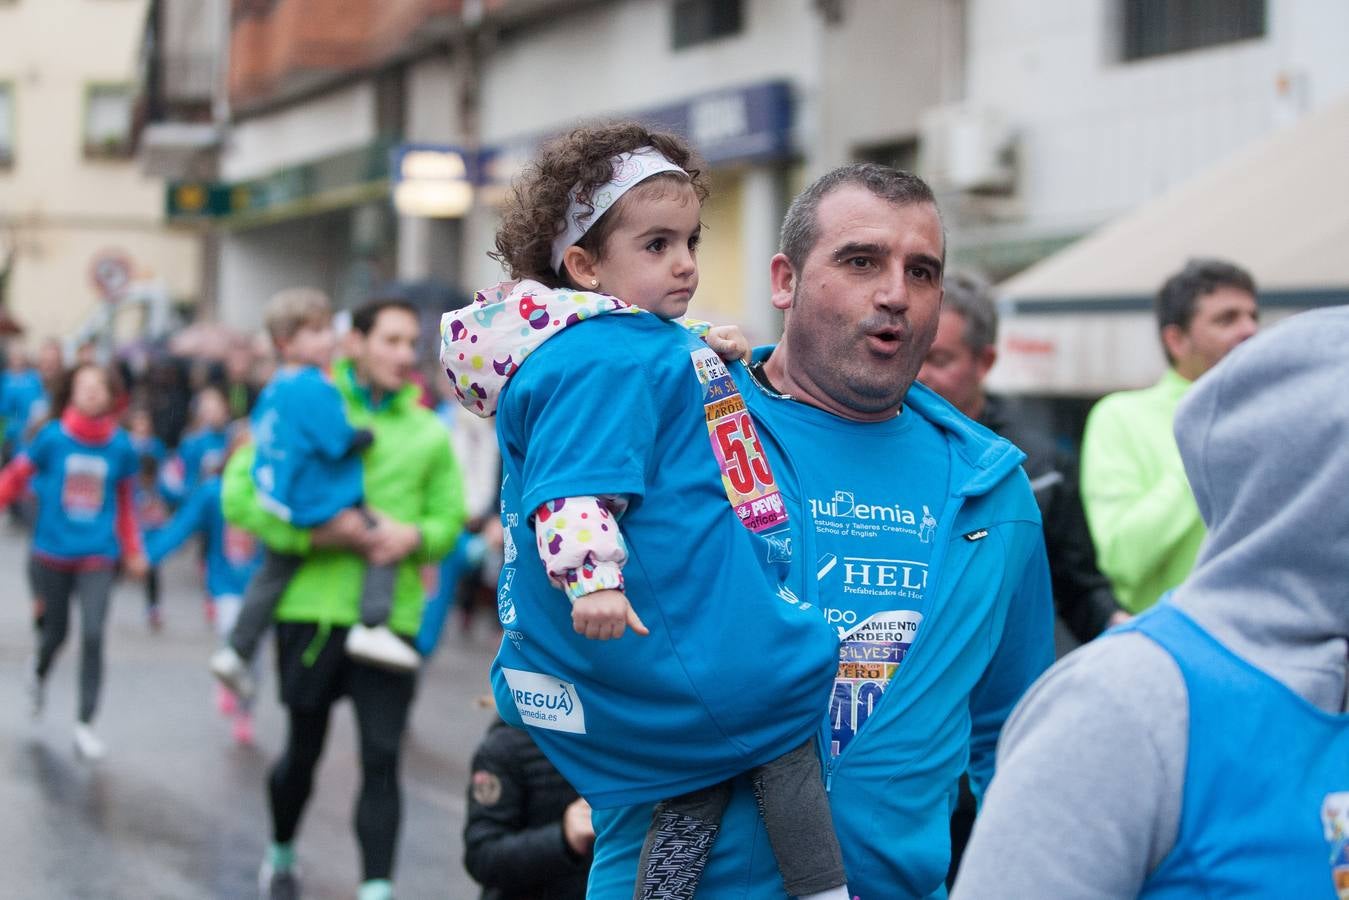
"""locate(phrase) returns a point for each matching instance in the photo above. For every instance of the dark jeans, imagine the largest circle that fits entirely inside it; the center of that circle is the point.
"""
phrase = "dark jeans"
(314, 673)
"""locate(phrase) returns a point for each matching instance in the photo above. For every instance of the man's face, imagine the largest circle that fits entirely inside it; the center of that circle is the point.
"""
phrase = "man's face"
(386, 356)
(1222, 319)
(863, 310)
(953, 369)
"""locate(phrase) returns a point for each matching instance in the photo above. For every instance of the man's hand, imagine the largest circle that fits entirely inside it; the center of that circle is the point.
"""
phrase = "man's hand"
(347, 530)
(577, 829)
(393, 541)
(604, 615)
(728, 341)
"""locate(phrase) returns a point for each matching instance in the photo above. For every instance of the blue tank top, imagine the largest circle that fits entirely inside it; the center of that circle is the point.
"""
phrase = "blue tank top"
(1266, 806)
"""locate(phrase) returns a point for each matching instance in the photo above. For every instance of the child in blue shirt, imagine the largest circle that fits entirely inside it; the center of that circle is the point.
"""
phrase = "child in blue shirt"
(152, 509)
(307, 469)
(82, 468)
(616, 466)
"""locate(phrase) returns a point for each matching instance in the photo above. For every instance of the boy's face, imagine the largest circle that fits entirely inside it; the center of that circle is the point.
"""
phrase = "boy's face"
(311, 345)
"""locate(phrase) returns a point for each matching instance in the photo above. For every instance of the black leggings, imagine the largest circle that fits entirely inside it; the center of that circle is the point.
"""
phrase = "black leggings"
(381, 700)
(54, 587)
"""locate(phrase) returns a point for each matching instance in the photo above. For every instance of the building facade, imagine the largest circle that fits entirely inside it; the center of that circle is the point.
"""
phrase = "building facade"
(86, 225)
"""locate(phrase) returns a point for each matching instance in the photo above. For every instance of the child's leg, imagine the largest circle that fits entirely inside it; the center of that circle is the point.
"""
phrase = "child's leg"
(95, 589)
(260, 599)
(54, 586)
(795, 811)
(679, 842)
(377, 589)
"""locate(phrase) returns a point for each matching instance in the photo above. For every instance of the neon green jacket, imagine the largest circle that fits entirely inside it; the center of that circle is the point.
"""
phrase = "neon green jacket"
(410, 476)
(1143, 518)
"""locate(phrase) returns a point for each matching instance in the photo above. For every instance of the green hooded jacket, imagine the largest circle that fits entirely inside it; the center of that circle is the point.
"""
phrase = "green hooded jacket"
(410, 476)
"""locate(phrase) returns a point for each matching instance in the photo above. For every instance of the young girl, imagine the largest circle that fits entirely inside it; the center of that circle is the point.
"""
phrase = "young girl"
(152, 508)
(630, 462)
(83, 469)
(232, 556)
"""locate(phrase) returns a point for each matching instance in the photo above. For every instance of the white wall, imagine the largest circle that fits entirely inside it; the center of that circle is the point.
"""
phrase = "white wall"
(257, 263)
(1099, 136)
(323, 126)
(617, 58)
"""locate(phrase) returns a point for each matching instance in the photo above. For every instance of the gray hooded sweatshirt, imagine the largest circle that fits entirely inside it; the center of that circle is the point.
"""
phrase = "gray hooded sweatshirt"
(1091, 766)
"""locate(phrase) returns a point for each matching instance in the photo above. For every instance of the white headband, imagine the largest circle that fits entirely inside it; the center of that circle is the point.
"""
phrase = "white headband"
(630, 170)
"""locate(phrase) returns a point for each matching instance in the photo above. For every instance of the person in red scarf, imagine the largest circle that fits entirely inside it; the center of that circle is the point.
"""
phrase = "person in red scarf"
(82, 468)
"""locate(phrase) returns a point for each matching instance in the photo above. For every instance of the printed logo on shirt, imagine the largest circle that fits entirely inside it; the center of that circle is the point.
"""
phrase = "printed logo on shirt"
(84, 488)
(779, 546)
(843, 513)
(869, 655)
(1335, 822)
(240, 547)
(509, 552)
(545, 701)
(745, 473)
(505, 605)
(906, 578)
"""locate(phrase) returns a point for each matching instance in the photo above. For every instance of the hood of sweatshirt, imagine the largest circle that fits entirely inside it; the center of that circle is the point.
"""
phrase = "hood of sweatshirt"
(1264, 437)
(483, 344)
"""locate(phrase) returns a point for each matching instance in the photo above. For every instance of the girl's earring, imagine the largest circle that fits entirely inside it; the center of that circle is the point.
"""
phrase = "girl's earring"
(594, 282)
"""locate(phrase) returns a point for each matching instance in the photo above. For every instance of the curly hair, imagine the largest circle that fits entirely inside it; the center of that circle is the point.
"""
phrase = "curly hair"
(538, 200)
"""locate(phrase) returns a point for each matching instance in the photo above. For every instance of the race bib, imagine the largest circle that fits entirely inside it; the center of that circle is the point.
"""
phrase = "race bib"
(744, 468)
(84, 488)
(869, 655)
(1335, 822)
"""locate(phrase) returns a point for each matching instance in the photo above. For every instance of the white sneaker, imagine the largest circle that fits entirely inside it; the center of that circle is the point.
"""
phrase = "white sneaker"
(274, 885)
(378, 646)
(33, 689)
(87, 743)
(232, 670)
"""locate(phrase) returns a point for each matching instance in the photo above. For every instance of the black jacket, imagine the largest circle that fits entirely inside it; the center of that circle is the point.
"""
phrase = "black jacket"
(513, 843)
(1082, 595)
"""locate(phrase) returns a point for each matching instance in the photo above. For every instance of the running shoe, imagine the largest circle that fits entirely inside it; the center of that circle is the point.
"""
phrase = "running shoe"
(378, 646)
(232, 670)
(278, 885)
(225, 701)
(242, 728)
(87, 743)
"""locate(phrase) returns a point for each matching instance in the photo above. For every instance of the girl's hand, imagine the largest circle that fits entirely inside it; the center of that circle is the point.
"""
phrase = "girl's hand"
(728, 341)
(604, 615)
(136, 567)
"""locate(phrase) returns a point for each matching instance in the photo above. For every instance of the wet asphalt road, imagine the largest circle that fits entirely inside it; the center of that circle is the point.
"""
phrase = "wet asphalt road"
(176, 810)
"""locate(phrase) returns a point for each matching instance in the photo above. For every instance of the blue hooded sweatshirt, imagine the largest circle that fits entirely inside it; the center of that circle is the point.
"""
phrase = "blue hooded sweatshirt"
(958, 644)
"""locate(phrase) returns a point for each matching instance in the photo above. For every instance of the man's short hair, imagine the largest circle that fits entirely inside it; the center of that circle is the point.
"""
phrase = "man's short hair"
(972, 297)
(1179, 296)
(293, 308)
(800, 228)
(364, 316)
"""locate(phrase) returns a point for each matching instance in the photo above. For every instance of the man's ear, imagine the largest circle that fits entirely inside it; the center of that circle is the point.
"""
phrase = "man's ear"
(1176, 340)
(782, 280)
(579, 265)
(985, 359)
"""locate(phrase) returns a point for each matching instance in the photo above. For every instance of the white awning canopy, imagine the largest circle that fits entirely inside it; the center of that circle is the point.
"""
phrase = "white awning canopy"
(1080, 322)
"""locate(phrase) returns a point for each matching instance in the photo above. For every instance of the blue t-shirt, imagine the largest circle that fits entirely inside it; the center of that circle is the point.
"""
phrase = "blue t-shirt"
(736, 670)
(76, 486)
(304, 469)
(232, 554)
(150, 446)
(202, 452)
(22, 400)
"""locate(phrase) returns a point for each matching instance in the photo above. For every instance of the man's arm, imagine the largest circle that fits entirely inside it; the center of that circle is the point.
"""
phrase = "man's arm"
(1086, 802)
(1082, 594)
(1024, 652)
(239, 503)
(1137, 521)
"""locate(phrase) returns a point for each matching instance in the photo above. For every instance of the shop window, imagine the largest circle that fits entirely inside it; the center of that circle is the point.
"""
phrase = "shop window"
(1158, 27)
(6, 125)
(699, 21)
(107, 120)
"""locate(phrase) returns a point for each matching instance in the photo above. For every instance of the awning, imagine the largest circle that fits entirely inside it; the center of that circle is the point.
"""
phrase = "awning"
(1080, 322)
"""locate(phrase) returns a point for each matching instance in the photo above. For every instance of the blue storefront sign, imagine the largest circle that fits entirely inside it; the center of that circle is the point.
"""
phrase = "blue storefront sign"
(735, 125)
